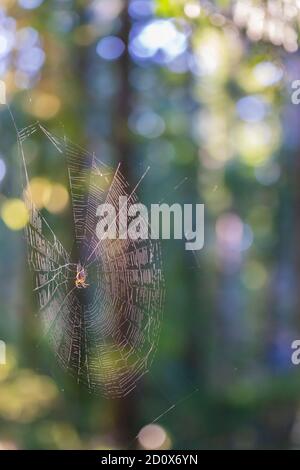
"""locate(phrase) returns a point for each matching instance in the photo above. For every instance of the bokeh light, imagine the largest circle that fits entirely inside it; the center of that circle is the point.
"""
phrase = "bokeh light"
(255, 142)
(40, 191)
(268, 174)
(31, 60)
(140, 9)
(267, 74)
(14, 214)
(21, 52)
(110, 48)
(147, 124)
(251, 108)
(229, 230)
(8, 445)
(153, 436)
(30, 4)
(26, 396)
(254, 275)
(58, 199)
(2, 169)
(105, 11)
(192, 9)
(43, 105)
(158, 39)
(274, 21)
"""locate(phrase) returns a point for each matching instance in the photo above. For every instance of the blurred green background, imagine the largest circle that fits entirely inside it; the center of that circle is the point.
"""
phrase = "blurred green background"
(201, 92)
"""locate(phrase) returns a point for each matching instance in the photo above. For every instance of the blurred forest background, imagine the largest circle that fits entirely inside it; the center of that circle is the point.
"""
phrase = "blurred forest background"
(201, 92)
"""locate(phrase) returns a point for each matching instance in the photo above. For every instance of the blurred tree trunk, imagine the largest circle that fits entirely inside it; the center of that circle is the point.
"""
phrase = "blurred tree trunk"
(125, 409)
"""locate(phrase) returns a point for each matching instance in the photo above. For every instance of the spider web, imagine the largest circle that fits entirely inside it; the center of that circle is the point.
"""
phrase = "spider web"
(106, 334)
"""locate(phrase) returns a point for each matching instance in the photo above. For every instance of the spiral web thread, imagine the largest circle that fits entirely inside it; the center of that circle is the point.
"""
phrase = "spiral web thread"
(107, 335)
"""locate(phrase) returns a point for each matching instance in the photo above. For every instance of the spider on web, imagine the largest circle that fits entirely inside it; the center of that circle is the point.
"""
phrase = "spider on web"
(100, 304)
(80, 277)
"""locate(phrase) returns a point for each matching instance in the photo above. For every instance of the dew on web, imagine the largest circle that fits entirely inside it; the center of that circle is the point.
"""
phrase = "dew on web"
(101, 302)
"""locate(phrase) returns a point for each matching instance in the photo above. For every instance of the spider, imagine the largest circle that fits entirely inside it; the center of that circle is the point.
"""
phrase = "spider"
(80, 277)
